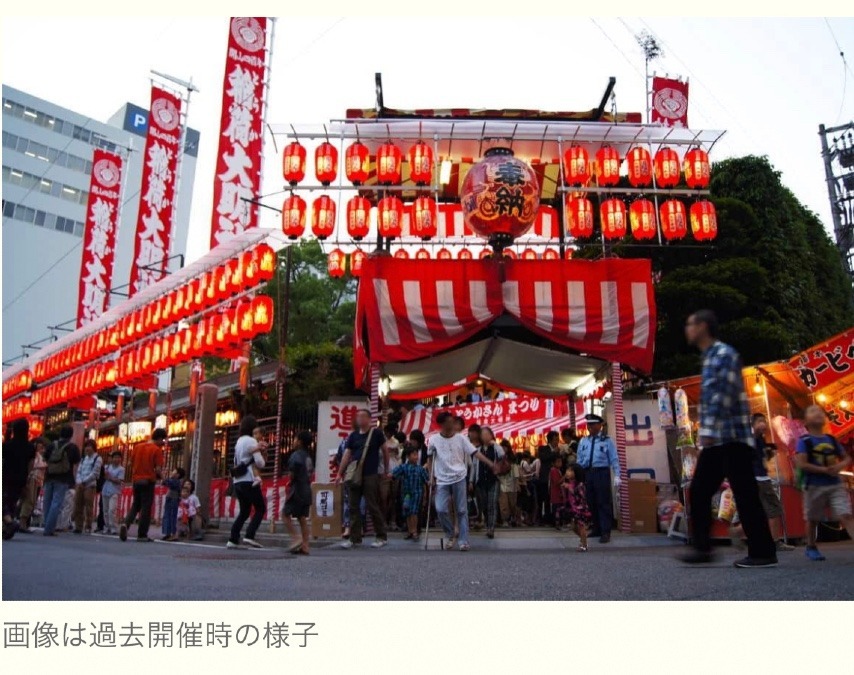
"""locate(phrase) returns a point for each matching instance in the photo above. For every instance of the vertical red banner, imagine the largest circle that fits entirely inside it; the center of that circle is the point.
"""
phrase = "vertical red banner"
(157, 194)
(99, 239)
(238, 167)
(669, 102)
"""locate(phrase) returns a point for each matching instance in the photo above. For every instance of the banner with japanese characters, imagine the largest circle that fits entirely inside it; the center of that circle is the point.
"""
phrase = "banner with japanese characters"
(335, 421)
(99, 238)
(825, 363)
(669, 102)
(646, 441)
(238, 167)
(157, 194)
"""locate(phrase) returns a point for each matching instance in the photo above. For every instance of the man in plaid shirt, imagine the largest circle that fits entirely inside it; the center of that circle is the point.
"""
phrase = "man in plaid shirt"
(726, 439)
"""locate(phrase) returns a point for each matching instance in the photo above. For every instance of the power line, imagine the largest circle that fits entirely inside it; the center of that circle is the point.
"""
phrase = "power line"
(841, 53)
(628, 60)
(845, 69)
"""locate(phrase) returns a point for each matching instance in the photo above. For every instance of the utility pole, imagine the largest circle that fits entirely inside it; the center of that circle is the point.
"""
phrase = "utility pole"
(837, 151)
(651, 51)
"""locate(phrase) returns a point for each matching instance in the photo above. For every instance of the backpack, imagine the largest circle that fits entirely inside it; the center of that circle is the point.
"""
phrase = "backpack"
(801, 477)
(57, 460)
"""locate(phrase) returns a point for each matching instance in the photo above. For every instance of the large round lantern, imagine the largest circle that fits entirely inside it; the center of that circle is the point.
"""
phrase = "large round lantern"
(401, 254)
(389, 164)
(443, 254)
(673, 221)
(607, 166)
(323, 217)
(390, 217)
(500, 197)
(666, 168)
(642, 219)
(424, 217)
(293, 217)
(529, 254)
(293, 163)
(336, 263)
(421, 164)
(358, 217)
(551, 254)
(357, 163)
(697, 169)
(704, 221)
(576, 166)
(357, 260)
(326, 163)
(613, 214)
(464, 254)
(639, 164)
(422, 254)
(579, 212)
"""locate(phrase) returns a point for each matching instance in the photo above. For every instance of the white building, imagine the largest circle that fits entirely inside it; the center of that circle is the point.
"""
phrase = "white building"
(47, 153)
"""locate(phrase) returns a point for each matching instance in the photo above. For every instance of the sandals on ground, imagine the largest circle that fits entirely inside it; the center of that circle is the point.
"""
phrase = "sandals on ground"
(581, 549)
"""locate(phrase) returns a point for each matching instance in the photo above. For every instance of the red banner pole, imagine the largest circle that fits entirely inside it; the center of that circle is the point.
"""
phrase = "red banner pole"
(620, 439)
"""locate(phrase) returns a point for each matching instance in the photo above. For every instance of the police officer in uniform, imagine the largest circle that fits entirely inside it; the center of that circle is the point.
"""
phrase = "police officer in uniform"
(597, 454)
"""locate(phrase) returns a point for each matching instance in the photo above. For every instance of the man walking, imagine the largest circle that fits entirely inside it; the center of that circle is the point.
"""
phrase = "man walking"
(18, 454)
(146, 465)
(61, 457)
(363, 450)
(597, 454)
(447, 452)
(726, 442)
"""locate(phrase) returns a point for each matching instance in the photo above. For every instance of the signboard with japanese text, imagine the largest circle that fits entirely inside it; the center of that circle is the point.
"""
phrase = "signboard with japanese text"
(669, 102)
(496, 413)
(157, 194)
(334, 423)
(824, 364)
(646, 441)
(99, 238)
(238, 167)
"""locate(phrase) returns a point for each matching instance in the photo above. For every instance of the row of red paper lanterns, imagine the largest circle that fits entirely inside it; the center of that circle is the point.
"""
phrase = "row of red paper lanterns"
(578, 169)
(357, 163)
(18, 383)
(641, 218)
(212, 336)
(14, 410)
(337, 260)
(423, 212)
(244, 272)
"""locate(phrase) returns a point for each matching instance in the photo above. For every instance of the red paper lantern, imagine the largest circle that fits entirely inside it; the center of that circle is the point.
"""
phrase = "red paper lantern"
(704, 221)
(607, 166)
(422, 254)
(401, 254)
(323, 217)
(576, 166)
(579, 212)
(697, 169)
(336, 263)
(389, 164)
(465, 254)
(510, 253)
(293, 163)
(484, 254)
(267, 259)
(642, 219)
(666, 168)
(639, 165)
(424, 218)
(212, 286)
(247, 322)
(390, 217)
(199, 331)
(293, 217)
(613, 214)
(223, 290)
(250, 269)
(673, 221)
(529, 254)
(358, 217)
(357, 163)
(421, 164)
(551, 254)
(357, 260)
(237, 275)
(500, 197)
(444, 254)
(262, 314)
(326, 163)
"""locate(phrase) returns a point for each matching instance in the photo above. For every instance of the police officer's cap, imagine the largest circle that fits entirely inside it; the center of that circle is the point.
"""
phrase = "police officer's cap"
(593, 419)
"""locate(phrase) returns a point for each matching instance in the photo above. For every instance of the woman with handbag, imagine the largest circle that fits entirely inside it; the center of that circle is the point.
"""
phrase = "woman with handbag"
(247, 453)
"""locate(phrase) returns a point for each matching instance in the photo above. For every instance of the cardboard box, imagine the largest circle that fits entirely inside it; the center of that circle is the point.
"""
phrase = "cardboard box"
(327, 510)
(643, 506)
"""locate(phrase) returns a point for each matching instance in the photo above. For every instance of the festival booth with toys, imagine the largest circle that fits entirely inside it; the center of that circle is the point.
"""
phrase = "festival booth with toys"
(822, 375)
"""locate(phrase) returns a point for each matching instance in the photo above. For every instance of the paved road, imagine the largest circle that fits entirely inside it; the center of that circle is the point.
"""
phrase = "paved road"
(532, 566)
